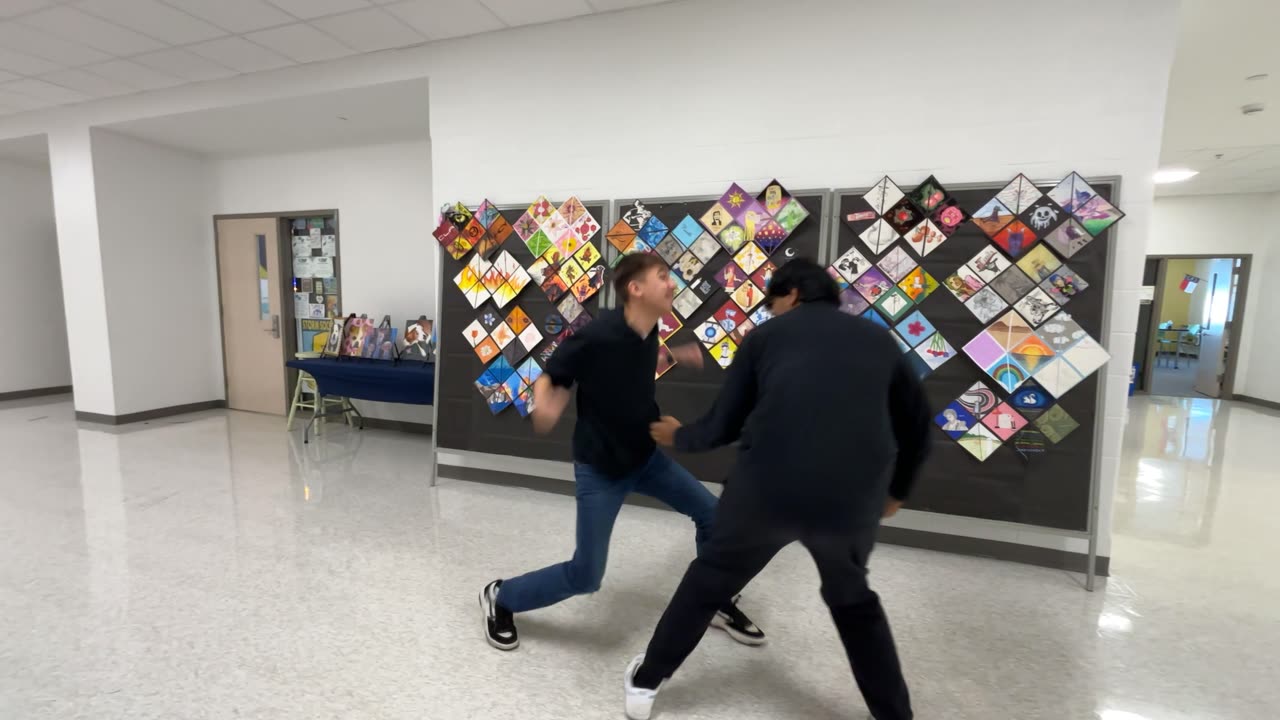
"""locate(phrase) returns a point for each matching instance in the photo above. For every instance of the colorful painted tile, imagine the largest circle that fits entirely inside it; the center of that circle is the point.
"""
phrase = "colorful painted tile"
(466, 278)
(1043, 216)
(883, 195)
(1068, 238)
(703, 287)
(518, 279)
(474, 334)
(686, 231)
(733, 237)
(851, 265)
(984, 350)
(589, 284)
(518, 320)
(748, 296)
(925, 237)
(1004, 421)
(687, 303)
(1064, 284)
(1058, 377)
(774, 197)
(1056, 424)
(586, 226)
(538, 243)
(572, 209)
(570, 271)
(709, 333)
(1015, 239)
(903, 216)
(569, 243)
(1061, 332)
(730, 317)
(705, 247)
(989, 263)
(446, 232)
(502, 335)
(897, 264)
(555, 288)
(879, 236)
(636, 216)
(955, 420)
(875, 317)
(716, 219)
(556, 227)
(894, 304)
(754, 218)
(1012, 284)
(762, 316)
(770, 236)
(1008, 373)
(541, 209)
(935, 351)
(1072, 193)
(668, 325)
(979, 400)
(949, 216)
(723, 352)
(544, 355)
(1032, 353)
(764, 275)
(1087, 356)
(731, 276)
(653, 231)
(1030, 399)
(620, 235)
(570, 309)
(986, 305)
(1037, 307)
(964, 283)
(980, 442)
(1019, 194)
(688, 266)
(929, 195)
(1097, 215)
(750, 257)
(666, 361)
(851, 302)
(457, 213)
(1010, 331)
(872, 285)
(1040, 263)
(489, 319)
(735, 200)
(918, 285)
(1030, 443)
(553, 324)
(587, 255)
(669, 249)
(993, 217)
(487, 349)
(525, 228)
(477, 295)
(486, 383)
(915, 328)
(791, 215)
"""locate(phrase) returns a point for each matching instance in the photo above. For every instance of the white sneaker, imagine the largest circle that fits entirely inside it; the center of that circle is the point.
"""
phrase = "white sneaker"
(639, 701)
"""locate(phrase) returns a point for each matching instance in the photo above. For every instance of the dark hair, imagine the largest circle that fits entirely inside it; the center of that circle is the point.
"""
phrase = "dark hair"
(807, 276)
(630, 268)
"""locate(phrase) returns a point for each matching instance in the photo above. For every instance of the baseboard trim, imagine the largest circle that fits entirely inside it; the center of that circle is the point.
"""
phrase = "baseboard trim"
(923, 539)
(149, 414)
(35, 392)
(1268, 404)
(397, 425)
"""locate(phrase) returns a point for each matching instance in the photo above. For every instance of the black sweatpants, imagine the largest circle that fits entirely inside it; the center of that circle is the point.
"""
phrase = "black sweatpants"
(745, 538)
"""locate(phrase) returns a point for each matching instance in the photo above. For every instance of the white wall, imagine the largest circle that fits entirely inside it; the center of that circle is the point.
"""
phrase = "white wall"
(385, 217)
(1232, 224)
(156, 234)
(30, 283)
(830, 93)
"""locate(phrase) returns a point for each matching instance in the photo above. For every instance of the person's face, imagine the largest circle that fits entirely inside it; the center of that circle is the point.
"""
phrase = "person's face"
(654, 289)
(779, 304)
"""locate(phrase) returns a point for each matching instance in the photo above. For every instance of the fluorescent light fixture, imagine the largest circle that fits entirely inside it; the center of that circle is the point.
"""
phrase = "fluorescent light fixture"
(1173, 175)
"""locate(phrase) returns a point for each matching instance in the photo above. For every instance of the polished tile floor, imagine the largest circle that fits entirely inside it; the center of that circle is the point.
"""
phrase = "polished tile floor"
(215, 567)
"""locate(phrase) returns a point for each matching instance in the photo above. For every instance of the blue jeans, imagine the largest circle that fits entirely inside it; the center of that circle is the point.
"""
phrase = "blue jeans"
(599, 499)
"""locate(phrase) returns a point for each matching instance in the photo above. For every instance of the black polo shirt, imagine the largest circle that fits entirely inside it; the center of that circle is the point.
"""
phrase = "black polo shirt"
(613, 368)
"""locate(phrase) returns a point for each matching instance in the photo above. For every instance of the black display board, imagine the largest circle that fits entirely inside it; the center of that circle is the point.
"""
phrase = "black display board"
(1051, 489)
(686, 392)
(464, 421)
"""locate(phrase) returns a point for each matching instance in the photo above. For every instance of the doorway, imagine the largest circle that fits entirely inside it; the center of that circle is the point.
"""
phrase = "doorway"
(1189, 325)
(250, 296)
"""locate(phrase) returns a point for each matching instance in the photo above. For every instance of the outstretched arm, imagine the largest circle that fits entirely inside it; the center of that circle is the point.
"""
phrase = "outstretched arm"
(723, 423)
(551, 392)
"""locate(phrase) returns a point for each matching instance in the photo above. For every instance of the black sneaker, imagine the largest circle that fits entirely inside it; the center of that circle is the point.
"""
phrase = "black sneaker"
(735, 622)
(499, 622)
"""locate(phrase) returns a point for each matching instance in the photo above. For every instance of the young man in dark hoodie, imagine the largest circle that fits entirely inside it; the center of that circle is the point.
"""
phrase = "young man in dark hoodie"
(792, 481)
(612, 361)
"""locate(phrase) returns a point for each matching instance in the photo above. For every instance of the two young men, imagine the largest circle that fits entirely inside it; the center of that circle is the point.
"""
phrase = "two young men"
(806, 391)
(612, 362)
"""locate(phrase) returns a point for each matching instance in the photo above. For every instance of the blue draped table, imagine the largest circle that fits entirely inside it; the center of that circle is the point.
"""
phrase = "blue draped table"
(406, 382)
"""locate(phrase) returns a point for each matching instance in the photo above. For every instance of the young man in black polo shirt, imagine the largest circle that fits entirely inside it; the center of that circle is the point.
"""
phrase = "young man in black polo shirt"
(612, 361)
(832, 427)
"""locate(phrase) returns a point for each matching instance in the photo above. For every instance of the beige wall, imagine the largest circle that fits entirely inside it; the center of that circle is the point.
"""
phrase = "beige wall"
(1177, 305)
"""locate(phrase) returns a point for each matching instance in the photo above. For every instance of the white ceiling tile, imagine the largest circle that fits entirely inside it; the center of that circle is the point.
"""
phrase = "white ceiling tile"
(524, 12)
(184, 64)
(10, 8)
(14, 36)
(7, 76)
(24, 64)
(240, 54)
(20, 103)
(369, 30)
(301, 43)
(153, 18)
(134, 75)
(440, 19)
(307, 9)
(71, 24)
(41, 90)
(611, 5)
(238, 16)
(87, 83)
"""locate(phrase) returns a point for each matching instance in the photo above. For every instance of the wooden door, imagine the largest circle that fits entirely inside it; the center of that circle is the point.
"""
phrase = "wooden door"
(249, 277)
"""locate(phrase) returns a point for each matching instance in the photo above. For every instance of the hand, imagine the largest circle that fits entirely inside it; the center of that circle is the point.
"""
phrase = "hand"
(891, 507)
(663, 432)
(549, 403)
(689, 354)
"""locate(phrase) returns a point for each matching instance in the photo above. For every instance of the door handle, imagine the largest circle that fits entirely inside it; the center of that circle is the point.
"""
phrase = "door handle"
(275, 327)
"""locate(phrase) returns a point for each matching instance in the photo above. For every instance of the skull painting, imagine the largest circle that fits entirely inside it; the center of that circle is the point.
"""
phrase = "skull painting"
(1043, 216)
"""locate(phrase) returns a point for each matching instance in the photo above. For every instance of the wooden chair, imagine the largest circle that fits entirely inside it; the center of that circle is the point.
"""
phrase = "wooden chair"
(306, 396)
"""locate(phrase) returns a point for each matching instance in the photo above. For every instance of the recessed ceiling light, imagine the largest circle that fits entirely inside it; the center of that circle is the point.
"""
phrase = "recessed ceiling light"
(1173, 175)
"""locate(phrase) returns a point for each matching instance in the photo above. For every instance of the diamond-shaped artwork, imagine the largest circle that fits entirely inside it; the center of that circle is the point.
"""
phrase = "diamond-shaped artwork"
(518, 320)
(716, 219)
(514, 352)
(918, 285)
(894, 303)
(948, 217)
(985, 305)
(873, 285)
(1056, 424)
(587, 255)
(704, 247)
(670, 249)
(750, 257)
(494, 392)
(544, 355)
(487, 350)
(636, 216)
(1004, 421)
(572, 209)
(525, 227)
(883, 195)
(791, 215)
(474, 334)
(925, 237)
(466, 277)
(620, 235)
(687, 303)
(666, 361)
(553, 324)
(1064, 284)
(586, 226)
(1097, 215)
(764, 275)
(875, 317)
(1068, 238)
(733, 237)
(1087, 356)
(555, 226)
(1030, 399)
(851, 265)
(897, 264)
(538, 243)
(979, 400)
(1019, 194)
(984, 350)
(1010, 331)
(754, 218)
(570, 271)
(589, 284)
(709, 333)
(980, 442)
(1032, 353)
(1012, 284)
(555, 288)
(989, 263)
(569, 243)
(1057, 376)
(457, 213)
(841, 283)
(993, 217)
(1061, 332)
(935, 351)
(1072, 193)
(1043, 216)
(851, 302)
(955, 420)
(903, 216)
(731, 276)
(668, 325)
(686, 231)
(730, 317)
(502, 335)
(570, 309)
(770, 236)
(723, 352)
(879, 236)
(653, 231)
(704, 288)
(489, 319)
(735, 200)
(1008, 373)
(964, 283)
(774, 197)
(688, 266)
(1037, 307)
(486, 213)
(929, 195)
(1040, 263)
(447, 234)
(1015, 239)
(541, 209)
(748, 296)
(915, 329)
